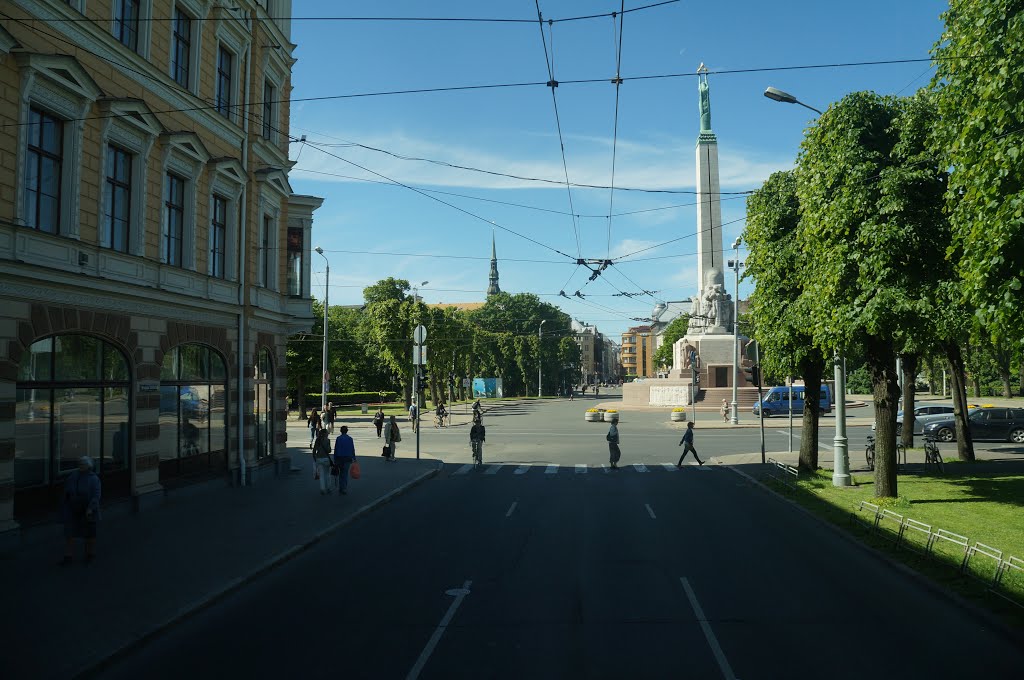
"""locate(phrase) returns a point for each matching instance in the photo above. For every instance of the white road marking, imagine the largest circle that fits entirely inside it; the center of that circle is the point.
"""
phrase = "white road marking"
(460, 595)
(463, 470)
(512, 509)
(649, 511)
(581, 468)
(551, 469)
(522, 469)
(605, 468)
(494, 469)
(640, 467)
(716, 649)
(670, 467)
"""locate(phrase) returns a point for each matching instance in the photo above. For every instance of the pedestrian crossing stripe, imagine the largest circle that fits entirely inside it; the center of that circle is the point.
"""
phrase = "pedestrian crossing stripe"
(576, 469)
(640, 467)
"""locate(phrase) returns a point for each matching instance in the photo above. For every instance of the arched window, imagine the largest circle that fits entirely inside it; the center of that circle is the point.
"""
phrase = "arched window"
(264, 407)
(73, 399)
(193, 415)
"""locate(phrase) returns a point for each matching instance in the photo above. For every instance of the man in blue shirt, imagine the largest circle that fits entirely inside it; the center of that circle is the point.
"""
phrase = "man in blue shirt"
(344, 455)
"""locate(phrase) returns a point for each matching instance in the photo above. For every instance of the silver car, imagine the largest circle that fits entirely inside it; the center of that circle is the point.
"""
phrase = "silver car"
(923, 415)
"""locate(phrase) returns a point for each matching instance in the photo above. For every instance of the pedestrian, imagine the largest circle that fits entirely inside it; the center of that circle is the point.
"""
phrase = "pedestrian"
(344, 456)
(329, 417)
(314, 423)
(570, 392)
(725, 411)
(392, 436)
(477, 437)
(414, 412)
(322, 461)
(80, 510)
(378, 421)
(687, 443)
(613, 446)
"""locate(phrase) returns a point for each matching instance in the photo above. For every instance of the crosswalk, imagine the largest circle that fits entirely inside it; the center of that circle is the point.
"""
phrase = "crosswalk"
(493, 469)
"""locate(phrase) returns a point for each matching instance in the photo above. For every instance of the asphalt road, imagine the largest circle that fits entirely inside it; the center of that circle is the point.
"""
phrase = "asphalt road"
(538, 571)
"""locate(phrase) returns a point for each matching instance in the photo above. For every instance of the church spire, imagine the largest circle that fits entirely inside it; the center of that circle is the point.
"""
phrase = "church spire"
(492, 287)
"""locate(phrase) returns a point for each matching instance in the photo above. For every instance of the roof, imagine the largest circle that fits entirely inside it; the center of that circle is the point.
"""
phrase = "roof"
(464, 306)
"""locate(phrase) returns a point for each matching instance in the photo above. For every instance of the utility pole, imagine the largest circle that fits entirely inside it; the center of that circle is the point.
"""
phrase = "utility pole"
(540, 359)
(327, 289)
(419, 357)
(735, 265)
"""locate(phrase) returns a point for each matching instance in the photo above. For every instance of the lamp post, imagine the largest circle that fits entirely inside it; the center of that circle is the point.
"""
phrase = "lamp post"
(840, 450)
(327, 290)
(735, 264)
(416, 368)
(540, 358)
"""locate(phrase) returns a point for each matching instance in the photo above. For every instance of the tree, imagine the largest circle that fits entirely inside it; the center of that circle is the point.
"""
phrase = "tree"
(674, 331)
(778, 307)
(304, 355)
(866, 187)
(980, 92)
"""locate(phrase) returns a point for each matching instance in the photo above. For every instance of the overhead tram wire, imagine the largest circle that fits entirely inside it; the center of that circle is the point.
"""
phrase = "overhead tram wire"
(615, 127)
(621, 259)
(552, 84)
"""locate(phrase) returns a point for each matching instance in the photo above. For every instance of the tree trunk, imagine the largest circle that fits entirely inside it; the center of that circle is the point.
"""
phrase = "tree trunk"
(300, 381)
(1002, 361)
(886, 390)
(964, 444)
(909, 379)
(812, 371)
(407, 395)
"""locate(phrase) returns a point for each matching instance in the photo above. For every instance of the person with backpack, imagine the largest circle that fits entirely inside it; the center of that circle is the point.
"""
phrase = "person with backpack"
(614, 453)
(687, 443)
(322, 461)
(477, 436)
(392, 436)
(344, 456)
(378, 421)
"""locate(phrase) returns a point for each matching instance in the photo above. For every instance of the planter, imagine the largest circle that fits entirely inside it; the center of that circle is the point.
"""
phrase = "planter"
(592, 416)
(611, 417)
(678, 416)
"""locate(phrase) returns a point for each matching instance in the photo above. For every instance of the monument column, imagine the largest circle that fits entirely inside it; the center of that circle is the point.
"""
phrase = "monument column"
(709, 207)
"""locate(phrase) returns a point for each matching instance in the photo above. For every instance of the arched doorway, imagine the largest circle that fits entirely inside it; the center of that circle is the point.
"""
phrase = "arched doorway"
(73, 399)
(193, 413)
(264, 406)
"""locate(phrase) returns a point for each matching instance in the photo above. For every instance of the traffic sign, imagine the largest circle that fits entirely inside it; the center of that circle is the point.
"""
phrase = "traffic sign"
(419, 335)
(751, 350)
(465, 382)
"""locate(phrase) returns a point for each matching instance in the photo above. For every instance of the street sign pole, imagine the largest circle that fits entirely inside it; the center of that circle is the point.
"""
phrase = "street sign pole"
(418, 337)
(760, 409)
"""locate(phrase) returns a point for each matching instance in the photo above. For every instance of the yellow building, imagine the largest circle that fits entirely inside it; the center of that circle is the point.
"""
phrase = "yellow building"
(637, 354)
(153, 258)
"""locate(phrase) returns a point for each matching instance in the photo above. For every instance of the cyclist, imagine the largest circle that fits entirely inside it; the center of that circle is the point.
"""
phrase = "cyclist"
(477, 435)
(476, 410)
(441, 414)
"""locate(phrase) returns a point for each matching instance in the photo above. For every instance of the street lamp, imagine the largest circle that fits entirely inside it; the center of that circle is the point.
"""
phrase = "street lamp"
(786, 98)
(840, 450)
(327, 290)
(735, 264)
(415, 291)
(540, 357)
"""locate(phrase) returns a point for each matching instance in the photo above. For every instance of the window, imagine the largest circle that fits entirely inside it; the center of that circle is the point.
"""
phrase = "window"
(269, 105)
(264, 265)
(218, 236)
(224, 77)
(126, 23)
(193, 415)
(295, 251)
(43, 171)
(175, 206)
(181, 48)
(119, 197)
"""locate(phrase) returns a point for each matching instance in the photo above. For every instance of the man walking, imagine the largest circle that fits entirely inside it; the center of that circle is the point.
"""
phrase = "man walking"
(687, 444)
(344, 455)
(414, 413)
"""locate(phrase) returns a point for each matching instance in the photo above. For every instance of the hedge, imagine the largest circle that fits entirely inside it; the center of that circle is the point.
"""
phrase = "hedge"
(347, 398)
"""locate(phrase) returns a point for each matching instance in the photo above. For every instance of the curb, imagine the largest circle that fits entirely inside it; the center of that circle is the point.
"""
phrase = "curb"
(984, 617)
(234, 585)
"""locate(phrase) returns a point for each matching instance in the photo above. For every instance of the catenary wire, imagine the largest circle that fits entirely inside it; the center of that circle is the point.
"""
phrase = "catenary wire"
(615, 125)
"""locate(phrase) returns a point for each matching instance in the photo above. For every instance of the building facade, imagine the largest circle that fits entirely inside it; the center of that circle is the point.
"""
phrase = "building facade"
(638, 347)
(153, 257)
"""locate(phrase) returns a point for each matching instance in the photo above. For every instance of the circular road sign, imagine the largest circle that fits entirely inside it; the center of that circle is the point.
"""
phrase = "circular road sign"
(420, 335)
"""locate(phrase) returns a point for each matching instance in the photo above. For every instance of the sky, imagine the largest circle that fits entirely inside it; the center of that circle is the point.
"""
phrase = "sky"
(437, 228)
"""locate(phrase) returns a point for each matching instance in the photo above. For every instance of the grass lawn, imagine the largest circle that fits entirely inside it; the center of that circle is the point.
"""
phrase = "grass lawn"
(985, 507)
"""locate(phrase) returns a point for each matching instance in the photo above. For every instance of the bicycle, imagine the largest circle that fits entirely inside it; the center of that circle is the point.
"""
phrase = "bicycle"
(442, 421)
(932, 455)
(869, 452)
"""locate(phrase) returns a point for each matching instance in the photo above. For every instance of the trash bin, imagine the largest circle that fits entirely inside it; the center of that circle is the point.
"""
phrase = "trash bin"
(365, 409)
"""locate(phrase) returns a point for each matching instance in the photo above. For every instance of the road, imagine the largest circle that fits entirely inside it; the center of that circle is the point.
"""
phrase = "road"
(575, 571)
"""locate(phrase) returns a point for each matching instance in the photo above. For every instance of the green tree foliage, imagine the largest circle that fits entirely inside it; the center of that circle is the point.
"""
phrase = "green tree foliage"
(979, 83)
(674, 331)
(780, 306)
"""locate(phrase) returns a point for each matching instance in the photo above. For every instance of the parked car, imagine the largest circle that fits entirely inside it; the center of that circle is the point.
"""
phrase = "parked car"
(922, 416)
(776, 402)
(994, 423)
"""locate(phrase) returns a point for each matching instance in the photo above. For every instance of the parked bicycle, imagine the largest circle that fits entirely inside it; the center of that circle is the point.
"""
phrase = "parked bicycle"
(931, 454)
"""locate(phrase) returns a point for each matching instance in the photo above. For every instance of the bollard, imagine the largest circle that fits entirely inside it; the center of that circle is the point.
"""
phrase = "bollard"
(365, 410)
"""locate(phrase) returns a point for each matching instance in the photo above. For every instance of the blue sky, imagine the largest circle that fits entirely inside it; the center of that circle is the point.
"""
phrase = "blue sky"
(513, 130)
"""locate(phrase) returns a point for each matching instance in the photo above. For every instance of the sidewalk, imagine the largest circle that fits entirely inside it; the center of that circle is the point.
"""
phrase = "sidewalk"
(157, 567)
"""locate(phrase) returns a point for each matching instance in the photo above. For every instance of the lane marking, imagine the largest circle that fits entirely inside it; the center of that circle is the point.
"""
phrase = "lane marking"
(649, 511)
(460, 594)
(512, 509)
(494, 469)
(463, 470)
(522, 469)
(551, 470)
(670, 467)
(640, 467)
(709, 634)
(581, 468)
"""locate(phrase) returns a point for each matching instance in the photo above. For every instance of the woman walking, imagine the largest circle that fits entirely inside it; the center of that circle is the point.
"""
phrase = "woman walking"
(613, 446)
(322, 461)
(81, 510)
(378, 421)
(314, 423)
(391, 437)
(725, 411)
